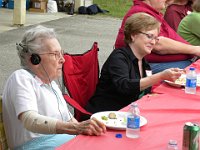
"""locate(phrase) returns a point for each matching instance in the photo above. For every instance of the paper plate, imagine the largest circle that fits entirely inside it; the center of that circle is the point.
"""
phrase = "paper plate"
(119, 123)
(180, 82)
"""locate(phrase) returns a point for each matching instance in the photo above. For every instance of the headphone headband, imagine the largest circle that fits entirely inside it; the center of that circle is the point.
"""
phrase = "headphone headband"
(22, 47)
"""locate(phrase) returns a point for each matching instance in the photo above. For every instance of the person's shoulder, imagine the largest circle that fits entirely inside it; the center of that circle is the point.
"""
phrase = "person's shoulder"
(118, 56)
(20, 74)
(16, 73)
(193, 16)
(173, 7)
(16, 77)
(120, 52)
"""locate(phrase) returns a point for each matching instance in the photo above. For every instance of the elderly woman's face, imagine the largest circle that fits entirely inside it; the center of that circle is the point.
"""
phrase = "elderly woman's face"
(158, 4)
(52, 59)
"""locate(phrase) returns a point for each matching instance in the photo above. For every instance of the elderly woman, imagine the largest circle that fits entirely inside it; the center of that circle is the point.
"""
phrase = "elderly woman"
(126, 76)
(34, 111)
(189, 26)
(171, 50)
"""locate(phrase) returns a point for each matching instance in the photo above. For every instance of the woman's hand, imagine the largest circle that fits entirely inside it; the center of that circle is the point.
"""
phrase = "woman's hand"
(90, 127)
(172, 74)
(169, 74)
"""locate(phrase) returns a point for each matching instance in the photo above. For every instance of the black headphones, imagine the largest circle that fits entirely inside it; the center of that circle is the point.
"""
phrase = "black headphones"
(35, 58)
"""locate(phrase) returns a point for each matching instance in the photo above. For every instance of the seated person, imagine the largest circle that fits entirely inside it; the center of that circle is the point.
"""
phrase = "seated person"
(189, 26)
(171, 50)
(35, 113)
(176, 12)
(126, 76)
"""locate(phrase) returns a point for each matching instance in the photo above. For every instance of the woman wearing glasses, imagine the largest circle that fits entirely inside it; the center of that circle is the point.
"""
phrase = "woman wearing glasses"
(35, 114)
(126, 76)
(171, 50)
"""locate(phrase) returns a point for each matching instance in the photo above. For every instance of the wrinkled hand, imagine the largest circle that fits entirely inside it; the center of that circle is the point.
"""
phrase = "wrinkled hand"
(91, 127)
(172, 74)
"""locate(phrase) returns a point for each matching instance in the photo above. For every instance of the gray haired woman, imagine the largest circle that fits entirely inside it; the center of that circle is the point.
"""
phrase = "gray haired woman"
(34, 111)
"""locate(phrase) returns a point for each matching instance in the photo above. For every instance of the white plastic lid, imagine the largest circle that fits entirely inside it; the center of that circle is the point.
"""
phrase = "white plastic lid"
(172, 142)
(134, 104)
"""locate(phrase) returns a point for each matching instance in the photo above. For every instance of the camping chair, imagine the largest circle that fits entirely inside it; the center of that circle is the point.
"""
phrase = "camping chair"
(80, 77)
(3, 140)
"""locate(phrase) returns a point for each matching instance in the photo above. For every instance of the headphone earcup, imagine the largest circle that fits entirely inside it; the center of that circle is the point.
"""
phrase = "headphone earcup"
(35, 59)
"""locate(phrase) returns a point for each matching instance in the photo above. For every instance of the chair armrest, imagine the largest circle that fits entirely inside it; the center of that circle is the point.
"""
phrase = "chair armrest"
(76, 105)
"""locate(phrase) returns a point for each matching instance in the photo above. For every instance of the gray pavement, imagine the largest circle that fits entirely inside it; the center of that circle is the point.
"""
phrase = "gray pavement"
(6, 18)
(76, 34)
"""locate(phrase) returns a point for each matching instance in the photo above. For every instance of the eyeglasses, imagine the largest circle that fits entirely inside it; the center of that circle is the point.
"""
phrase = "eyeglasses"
(150, 36)
(57, 54)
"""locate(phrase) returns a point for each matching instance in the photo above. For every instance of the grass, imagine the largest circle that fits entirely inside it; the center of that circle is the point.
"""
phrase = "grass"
(116, 8)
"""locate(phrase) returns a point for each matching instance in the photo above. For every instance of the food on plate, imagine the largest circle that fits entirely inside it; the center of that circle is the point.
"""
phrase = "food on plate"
(112, 116)
(104, 118)
(181, 80)
(115, 119)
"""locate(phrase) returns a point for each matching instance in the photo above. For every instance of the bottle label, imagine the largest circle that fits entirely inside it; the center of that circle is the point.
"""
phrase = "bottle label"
(133, 122)
(191, 83)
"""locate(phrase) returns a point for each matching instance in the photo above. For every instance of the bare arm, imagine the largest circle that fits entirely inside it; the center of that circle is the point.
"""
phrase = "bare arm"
(37, 123)
(168, 74)
(169, 46)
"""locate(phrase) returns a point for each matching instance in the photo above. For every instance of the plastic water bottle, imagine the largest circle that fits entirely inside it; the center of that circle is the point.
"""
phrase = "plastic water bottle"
(133, 121)
(191, 81)
(172, 145)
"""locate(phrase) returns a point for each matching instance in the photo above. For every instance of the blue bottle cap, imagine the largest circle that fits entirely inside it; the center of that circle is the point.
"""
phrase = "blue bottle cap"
(192, 68)
(118, 135)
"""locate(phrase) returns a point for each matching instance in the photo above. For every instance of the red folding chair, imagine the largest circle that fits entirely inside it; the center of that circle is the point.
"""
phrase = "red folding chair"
(80, 77)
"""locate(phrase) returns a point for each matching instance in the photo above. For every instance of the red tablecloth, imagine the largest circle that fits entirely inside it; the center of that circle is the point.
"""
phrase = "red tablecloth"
(166, 113)
(168, 89)
(195, 65)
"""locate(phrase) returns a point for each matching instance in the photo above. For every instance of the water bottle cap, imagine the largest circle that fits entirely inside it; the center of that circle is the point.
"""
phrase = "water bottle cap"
(192, 68)
(134, 104)
(118, 135)
(172, 142)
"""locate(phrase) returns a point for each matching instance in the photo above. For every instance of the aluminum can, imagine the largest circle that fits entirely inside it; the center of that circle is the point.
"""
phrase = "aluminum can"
(191, 136)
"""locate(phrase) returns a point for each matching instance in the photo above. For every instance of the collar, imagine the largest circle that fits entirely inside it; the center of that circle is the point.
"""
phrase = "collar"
(38, 80)
(131, 55)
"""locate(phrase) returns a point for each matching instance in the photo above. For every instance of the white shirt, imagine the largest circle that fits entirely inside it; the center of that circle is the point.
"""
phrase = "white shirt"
(23, 92)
